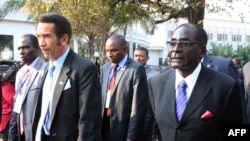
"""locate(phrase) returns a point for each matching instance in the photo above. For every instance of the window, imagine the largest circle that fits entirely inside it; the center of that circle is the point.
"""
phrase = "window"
(210, 36)
(236, 38)
(170, 33)
(6, 46)
(222, 37)
(248, 38)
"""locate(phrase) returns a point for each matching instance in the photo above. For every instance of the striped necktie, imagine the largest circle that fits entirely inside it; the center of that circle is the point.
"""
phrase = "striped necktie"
(181, 99)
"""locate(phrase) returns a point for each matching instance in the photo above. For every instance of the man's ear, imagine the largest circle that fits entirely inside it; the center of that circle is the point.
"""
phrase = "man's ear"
(125, 48)
(203, 50)
(64, 40)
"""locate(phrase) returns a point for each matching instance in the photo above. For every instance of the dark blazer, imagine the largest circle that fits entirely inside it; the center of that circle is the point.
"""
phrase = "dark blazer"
(246, 73)
(33, 86)
(76, 111)
(128, 102)
(220, 64)
(213, 91)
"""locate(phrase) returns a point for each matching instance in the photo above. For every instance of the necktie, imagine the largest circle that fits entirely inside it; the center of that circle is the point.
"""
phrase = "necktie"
(47, 123)
(112, 81)
(23, 80)
(111, 85)
(181, 99)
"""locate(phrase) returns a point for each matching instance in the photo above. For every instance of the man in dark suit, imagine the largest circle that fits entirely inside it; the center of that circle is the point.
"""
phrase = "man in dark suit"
(69, 108)
(124, 94)
(141, 55)
(225, 65)
(27, 88)
(221, 64)
(237, 64)
(246, 75)
(192, 102)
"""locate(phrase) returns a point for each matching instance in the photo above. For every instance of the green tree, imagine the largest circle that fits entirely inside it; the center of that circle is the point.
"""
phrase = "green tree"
(242, 52)
(9, 6)
(93, 20)
(221, 50)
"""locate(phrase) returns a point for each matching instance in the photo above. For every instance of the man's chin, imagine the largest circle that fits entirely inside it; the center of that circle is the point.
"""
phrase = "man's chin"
(176, 65)
(46, 56)
(112, 60)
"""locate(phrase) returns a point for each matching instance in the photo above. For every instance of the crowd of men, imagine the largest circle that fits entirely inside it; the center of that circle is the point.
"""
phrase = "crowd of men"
(62, 97)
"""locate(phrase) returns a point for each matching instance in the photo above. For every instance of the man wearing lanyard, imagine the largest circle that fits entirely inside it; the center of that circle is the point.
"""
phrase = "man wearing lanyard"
(124, 93)
(28, 84)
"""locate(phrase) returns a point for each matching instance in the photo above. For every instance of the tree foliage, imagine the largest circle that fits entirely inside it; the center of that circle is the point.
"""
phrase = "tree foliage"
(92, 20)
(241, 52)
(9, 6)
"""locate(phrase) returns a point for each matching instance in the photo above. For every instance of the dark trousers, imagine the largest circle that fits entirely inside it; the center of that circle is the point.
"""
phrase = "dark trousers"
(22, 137)
(4, 134)
(106, 135)
(45, 137)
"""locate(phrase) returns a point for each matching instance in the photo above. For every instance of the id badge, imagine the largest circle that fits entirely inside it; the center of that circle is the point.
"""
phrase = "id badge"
(107, 100)
(18, 103)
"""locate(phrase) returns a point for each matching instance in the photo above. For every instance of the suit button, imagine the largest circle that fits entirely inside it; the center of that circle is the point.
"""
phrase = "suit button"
(178, 131)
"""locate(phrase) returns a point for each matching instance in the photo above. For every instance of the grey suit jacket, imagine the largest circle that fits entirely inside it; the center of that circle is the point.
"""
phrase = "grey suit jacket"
(128, 102)
(76, 110)
(213, 91)
(150, 72)
(33, 86)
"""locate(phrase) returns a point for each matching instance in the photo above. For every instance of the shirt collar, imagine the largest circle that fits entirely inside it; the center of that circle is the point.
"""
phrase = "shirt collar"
(191, 79)
(122, 62)
(59, 62)
(32, 65)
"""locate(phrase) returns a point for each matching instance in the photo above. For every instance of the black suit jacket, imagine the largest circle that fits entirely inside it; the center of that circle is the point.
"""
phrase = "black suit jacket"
(223, 65)
(213, 91)
(76, 111)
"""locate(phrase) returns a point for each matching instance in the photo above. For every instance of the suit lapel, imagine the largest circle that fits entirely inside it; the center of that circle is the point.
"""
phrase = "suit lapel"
(207, 61)
(61, 81)
(199, 93)
(169, 92)
(148, 69)
(105, 80)
(32, 77)
(121, 72)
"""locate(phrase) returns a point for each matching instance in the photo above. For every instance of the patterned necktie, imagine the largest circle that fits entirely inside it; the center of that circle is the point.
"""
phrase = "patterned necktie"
(112, 81)
(181, 99)
(47, 119)
(23, 80)
(112, 85)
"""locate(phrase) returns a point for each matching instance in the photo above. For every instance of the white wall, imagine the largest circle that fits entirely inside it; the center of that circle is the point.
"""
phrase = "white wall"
(16, 25)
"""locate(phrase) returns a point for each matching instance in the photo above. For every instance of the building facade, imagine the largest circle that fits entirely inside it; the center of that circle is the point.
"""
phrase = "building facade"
(220, 30)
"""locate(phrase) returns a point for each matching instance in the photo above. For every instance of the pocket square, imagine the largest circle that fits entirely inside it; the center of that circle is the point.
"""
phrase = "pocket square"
(207, 115)
(67, 86)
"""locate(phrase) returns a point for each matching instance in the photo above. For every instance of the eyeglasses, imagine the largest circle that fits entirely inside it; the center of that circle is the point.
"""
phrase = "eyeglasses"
(182, 44)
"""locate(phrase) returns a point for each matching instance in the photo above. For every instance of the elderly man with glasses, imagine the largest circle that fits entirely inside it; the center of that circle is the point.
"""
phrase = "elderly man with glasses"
(192, 102)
